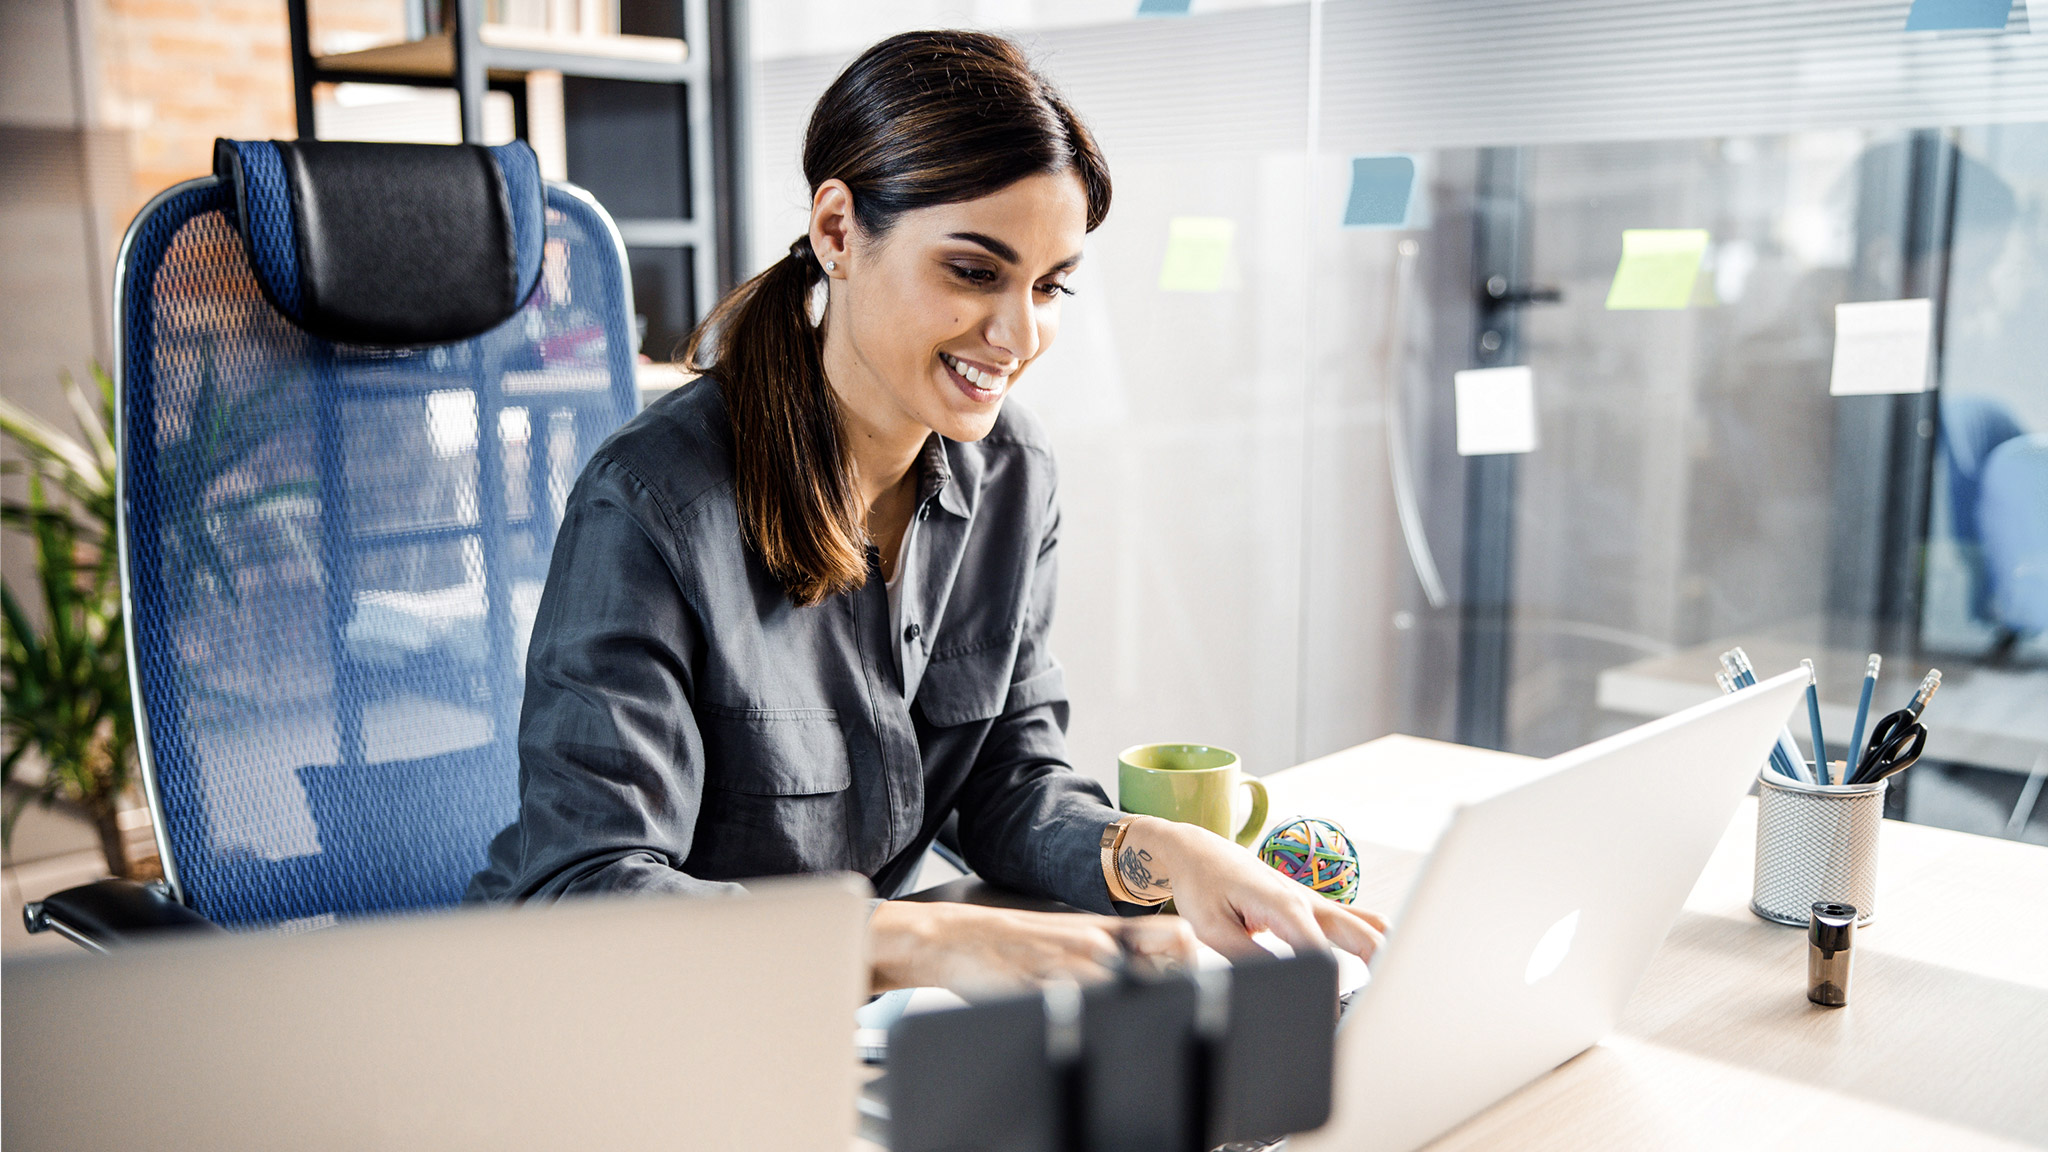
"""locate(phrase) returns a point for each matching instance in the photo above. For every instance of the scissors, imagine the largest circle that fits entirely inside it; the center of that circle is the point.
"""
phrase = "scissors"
(1895, 745)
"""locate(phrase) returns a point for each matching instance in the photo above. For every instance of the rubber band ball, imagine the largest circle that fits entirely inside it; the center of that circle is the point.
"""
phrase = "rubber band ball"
(1315, 853)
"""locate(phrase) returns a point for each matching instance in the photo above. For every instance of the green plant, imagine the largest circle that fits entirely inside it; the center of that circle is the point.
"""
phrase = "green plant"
(64, 685)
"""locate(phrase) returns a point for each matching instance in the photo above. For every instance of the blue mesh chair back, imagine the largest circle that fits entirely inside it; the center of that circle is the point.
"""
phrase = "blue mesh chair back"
(2012, 515)
(1972, 427)
(333, 554)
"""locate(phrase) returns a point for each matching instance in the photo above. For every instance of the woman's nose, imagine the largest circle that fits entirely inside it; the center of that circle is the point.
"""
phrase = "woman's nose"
(1014, 327)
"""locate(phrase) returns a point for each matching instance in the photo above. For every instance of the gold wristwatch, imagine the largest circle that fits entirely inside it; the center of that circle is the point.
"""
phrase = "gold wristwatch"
(1112, 842)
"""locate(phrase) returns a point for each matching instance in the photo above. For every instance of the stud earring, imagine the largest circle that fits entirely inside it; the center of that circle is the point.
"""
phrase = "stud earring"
(831, 265)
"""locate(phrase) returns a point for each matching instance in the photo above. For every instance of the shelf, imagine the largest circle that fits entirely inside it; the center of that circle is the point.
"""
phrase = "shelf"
(509, 53)
(658, 380)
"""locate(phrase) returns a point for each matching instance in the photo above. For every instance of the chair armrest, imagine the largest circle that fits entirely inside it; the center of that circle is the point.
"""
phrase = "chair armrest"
(109, 913)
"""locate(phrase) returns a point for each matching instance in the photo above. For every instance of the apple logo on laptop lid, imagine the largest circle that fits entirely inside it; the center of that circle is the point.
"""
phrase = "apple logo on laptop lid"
(1550, 951)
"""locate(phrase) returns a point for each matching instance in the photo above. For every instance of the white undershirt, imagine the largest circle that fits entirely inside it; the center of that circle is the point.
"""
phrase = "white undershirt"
(895, 586)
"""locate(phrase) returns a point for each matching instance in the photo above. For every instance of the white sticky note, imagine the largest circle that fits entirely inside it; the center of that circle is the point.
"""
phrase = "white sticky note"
(1881, 347)
(1496, 411)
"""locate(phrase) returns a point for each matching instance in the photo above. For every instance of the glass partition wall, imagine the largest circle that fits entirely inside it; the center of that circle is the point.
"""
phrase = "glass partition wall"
(1271, 540)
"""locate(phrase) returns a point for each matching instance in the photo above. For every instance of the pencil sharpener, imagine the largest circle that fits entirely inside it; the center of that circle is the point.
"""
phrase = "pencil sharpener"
(1828, 938)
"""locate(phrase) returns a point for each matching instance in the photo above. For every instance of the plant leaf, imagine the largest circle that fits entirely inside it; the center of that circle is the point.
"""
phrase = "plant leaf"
(89, 423)
(72, 465)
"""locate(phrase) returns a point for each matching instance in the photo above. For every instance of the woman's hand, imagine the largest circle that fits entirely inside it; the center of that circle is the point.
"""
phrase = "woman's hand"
(978, 952)
(1226, 894)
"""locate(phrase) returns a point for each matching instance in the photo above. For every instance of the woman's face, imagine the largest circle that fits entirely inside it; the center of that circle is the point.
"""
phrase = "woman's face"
(934, 322)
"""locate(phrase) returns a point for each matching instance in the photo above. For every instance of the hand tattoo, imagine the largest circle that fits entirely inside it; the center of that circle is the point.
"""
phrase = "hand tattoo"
(1134, 865)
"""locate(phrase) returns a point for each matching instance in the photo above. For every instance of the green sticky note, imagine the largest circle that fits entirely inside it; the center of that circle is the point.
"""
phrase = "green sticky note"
(1658, 267)
(1197, 254)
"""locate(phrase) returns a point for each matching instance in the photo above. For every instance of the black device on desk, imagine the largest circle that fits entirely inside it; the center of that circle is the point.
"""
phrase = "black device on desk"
(1176, 1063)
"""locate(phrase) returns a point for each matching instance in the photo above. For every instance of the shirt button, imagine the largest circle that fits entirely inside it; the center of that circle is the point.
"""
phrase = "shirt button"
(912, 633)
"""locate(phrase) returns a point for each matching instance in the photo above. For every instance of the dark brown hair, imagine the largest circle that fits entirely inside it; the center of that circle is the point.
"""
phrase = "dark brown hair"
(920, 119)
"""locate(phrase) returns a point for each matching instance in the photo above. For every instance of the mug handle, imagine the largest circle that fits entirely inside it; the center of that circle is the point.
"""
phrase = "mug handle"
(1257, 819)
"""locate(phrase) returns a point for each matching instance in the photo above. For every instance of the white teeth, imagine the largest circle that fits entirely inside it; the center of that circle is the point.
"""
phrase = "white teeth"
(986, 381)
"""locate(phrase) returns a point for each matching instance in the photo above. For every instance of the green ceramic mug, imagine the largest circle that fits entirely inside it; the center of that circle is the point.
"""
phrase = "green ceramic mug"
(1191, 783)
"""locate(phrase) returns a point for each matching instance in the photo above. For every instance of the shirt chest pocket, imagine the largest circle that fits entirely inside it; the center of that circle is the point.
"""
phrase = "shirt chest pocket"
(774, 752)
(969, 684)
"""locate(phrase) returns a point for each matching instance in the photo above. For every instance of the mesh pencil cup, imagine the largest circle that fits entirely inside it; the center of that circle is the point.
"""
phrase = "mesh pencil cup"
(1815, 844)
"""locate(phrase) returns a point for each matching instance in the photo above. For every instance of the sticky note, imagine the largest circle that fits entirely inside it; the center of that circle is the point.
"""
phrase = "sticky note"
(1163, 7)
(1881, 347)
(1197, 254)
(1382, 192)
(1951, 15)
(1496, 411)
(1658, 267)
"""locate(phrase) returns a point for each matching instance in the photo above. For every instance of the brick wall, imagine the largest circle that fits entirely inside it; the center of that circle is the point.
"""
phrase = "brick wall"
(174, 74)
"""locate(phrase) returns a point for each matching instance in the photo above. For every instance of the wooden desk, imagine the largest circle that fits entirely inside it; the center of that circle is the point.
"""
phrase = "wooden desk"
(1943, 1046)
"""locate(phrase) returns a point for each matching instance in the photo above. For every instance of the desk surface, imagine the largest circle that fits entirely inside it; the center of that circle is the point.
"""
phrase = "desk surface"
(1944, 1044)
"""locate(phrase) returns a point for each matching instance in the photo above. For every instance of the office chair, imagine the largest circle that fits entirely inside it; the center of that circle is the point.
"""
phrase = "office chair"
(356, 382)
(1972, 427)
(2012, 519)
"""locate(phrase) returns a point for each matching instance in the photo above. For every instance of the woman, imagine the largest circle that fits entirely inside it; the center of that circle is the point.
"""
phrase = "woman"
(798, 610)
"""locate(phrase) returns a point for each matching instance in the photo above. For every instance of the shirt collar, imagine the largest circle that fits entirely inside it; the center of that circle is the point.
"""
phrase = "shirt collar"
(935, 478)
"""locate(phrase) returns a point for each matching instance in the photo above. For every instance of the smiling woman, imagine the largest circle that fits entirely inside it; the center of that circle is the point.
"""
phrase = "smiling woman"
(798, 611)
(951, 188)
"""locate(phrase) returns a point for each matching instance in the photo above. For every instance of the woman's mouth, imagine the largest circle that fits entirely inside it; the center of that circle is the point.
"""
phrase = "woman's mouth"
(979, 384)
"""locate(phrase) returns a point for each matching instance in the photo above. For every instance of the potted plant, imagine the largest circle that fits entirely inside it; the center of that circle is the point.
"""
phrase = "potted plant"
(64, 682)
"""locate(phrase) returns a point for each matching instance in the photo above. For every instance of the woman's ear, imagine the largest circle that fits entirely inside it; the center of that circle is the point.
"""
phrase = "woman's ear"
(832, 225)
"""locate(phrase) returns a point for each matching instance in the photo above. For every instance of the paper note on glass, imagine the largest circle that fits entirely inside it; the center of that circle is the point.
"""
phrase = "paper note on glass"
(1658, 267)
(1382, 189)
(1163, 7)
(1881, 347)
(1950, 15)
(1198, 254)
(1496, 411)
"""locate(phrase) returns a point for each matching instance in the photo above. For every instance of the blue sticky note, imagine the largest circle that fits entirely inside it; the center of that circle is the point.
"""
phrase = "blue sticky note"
(1382, 191)
(1163, 7)
(1950, 15)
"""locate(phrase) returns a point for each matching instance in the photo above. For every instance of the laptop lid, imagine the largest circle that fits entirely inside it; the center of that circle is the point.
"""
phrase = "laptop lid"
(625, 1023)
(1535, 916)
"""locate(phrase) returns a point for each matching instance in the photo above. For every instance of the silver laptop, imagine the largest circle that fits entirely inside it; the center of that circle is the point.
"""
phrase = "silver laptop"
(1534, 918)
(628, 1023)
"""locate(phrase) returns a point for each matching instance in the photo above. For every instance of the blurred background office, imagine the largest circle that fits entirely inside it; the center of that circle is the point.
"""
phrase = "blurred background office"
(1272, 541)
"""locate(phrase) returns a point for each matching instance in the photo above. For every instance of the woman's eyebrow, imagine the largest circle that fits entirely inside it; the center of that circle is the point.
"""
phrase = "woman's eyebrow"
(1001, 250)
(1006, 253)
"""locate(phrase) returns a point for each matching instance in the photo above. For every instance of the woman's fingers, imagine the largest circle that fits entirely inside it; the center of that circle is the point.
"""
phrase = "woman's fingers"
(1298, 927)
(1353, 931)
(1164, 937)
(1223, 931)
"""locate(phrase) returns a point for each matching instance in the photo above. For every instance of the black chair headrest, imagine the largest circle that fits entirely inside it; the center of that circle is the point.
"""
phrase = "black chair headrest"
(388, 244)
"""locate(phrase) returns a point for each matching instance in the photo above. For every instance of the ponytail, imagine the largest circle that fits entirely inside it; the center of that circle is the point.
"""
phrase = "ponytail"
(798, 501)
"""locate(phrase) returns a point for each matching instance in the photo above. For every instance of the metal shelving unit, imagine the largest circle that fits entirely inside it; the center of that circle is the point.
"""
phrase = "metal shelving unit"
(646, 135)
(681, 225)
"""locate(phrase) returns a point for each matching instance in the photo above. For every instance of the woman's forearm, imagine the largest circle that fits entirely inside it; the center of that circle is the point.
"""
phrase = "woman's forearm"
(900, 941)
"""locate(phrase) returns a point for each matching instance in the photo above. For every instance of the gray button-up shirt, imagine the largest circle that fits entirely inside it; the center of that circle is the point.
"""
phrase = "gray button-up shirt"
(685, 726)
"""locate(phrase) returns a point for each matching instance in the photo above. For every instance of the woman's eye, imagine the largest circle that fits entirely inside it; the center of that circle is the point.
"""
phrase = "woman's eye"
(1053, 291)
(975, 275)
